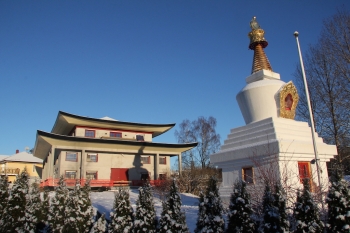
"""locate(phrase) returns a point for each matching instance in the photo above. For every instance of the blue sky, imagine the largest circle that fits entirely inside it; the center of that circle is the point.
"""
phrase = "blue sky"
(140, 61)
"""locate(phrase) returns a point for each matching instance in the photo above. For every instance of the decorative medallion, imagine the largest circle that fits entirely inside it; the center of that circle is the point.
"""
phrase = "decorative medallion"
(288, 100)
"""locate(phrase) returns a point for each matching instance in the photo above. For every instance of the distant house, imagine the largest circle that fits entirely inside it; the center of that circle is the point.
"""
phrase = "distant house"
(106, 151)
(13, 165)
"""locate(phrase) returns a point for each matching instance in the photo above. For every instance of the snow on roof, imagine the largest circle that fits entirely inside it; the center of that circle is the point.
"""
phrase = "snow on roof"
(108, 118)
(23, 157)
(3, 157)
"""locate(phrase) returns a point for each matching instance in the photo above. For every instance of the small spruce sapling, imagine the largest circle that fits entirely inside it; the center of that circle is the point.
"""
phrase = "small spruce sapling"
(4, 195)
(211, 219)
(280, 202)
(240, 210)
(86, 208)
(122, 213)
(17, 202)
(172, 218)
(338, 201)
(33, 213)
(100, 226)
(145, 218)
(57, 214)
(202, 217)
(270, 211)
(306, 212)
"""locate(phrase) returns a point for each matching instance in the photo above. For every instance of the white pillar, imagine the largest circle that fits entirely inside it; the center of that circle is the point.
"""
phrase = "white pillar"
(50, 160)
(180, 163)
(156, 166)
(82, 165)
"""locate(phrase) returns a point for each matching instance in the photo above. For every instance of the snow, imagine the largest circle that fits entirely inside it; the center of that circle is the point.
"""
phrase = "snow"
(103, 202)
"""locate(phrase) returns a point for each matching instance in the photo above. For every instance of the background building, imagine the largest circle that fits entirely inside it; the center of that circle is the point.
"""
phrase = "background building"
(13, 165)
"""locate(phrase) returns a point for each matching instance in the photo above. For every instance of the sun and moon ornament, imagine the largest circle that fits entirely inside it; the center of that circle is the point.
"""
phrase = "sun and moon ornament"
(288, 94)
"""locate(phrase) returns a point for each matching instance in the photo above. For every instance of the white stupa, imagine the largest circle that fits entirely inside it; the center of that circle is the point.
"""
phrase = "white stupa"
(271, 143)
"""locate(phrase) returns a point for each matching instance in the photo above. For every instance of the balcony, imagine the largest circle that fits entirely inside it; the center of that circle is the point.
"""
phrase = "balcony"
(9, 171)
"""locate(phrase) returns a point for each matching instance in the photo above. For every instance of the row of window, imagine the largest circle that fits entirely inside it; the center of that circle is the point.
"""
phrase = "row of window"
(73, 157)
(303, 167)
(147, 160)
(92, 175)
(73, 175)
(91, 134)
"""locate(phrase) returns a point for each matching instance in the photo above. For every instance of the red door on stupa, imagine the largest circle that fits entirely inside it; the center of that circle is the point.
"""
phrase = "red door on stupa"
(304, 170)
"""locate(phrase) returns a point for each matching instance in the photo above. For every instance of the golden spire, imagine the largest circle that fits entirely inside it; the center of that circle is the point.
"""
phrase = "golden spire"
(258, 43)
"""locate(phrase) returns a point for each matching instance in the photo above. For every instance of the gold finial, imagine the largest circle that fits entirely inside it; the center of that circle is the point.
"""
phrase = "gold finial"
(258, 43)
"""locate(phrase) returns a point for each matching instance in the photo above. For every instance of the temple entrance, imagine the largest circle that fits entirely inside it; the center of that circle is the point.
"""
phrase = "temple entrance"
(120, 176)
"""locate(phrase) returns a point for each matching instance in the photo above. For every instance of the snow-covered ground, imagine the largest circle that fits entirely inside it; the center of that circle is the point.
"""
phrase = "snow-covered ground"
(103, 202)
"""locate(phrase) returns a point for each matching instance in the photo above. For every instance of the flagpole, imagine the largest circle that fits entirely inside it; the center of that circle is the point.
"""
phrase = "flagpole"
(319, 170)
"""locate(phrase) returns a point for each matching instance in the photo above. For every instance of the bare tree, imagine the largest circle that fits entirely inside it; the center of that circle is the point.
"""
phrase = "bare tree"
(202, 131)
(327, 67)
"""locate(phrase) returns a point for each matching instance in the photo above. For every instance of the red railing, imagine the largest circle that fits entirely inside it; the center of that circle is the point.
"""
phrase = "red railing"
(50, 182)
(71, 182)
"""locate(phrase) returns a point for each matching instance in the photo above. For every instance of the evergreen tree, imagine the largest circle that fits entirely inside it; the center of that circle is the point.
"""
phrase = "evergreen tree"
(86, 208)
(43, 226)
(172, 218)
(33, 212)
(145, 218)
(271, 215)
(100, 226)
(202, 217)
(4, 195)
(56, 217)
(78, 210)
(240, 210)
(280, 202)
(17, 202)
(306, 212)
(338, 201)
(210, 217)
(122, 215)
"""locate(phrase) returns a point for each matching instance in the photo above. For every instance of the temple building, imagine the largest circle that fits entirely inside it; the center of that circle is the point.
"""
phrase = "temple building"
(106, 151)
(272, 146)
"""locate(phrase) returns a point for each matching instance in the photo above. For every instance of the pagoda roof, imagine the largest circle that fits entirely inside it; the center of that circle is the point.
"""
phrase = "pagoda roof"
(45, 140)
(65, 123)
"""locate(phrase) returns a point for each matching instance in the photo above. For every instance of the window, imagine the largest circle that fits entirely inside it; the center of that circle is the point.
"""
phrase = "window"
(70, 156)
(162, 160)
(304, 170)
(140, 138)
(91, 175)
(248, 175)
(89, 133)
(71, 174)
(115, 134)
(92, 158)
(145, 160)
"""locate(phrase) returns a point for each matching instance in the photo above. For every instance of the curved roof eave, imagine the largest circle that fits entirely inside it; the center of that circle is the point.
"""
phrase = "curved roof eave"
(65, 122)
(43, 145)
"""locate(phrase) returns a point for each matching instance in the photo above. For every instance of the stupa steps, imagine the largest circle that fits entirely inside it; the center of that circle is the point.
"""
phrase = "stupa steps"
(270, 123)
(279, 133)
